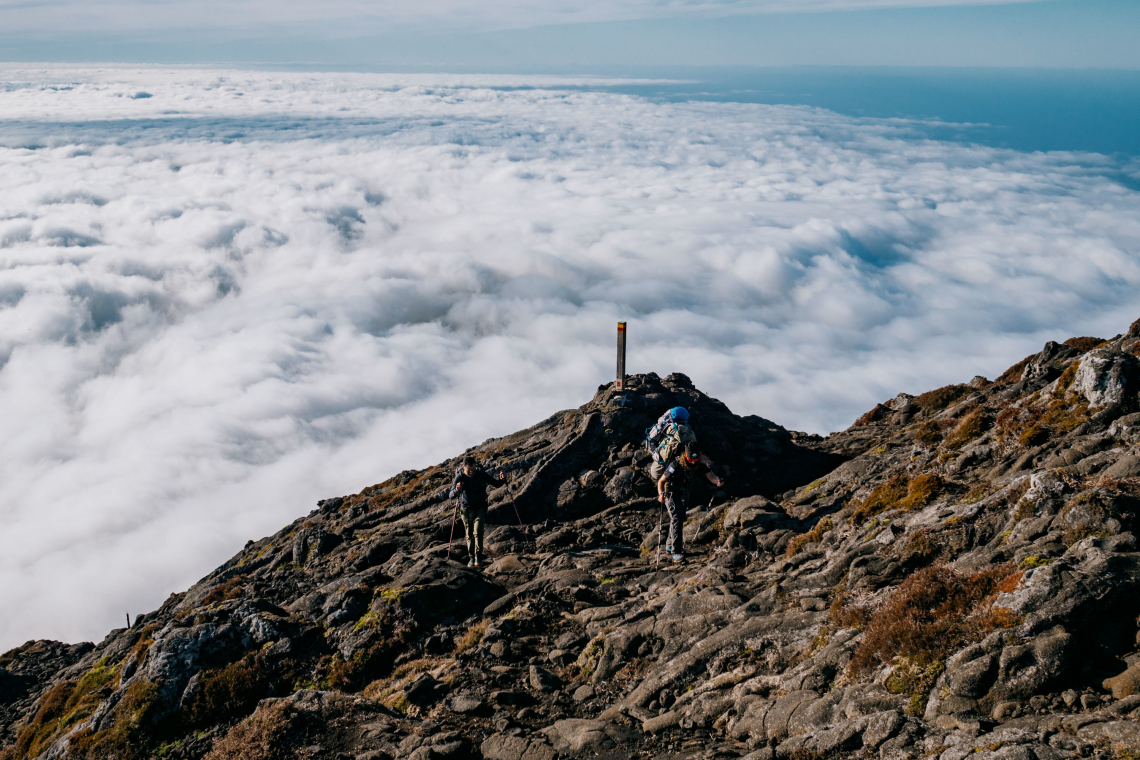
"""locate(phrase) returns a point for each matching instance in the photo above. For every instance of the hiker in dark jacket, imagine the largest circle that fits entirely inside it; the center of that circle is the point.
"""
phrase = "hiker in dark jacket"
(470, 487)
(673, 490)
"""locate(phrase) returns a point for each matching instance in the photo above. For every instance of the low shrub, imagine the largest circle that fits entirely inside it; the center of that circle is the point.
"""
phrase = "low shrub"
(268, 734)
(914, 681)
(1034, 435)
(932, 614)
(128, 738)
(845, 615)
(64, 705)
(884, 496)
(227, 693)
(940, 398)
(970, 427)
(1085, 343)
(813, 536)
(1013, 374)
(923, 490)
(979, 491)
(928, 433)
(223, 592)
(473, 636)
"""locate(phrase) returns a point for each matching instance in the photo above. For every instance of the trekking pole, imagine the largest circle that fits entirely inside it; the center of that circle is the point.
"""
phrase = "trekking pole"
(452, 536)
(516, 506)
(660, 537)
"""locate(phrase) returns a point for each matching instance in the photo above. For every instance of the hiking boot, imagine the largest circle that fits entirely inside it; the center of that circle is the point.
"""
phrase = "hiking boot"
(677, 556)
(668, 549)
(471, 563)
(478, 560)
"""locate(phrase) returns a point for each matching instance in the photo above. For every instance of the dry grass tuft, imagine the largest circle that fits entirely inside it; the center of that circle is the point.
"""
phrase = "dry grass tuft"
(970, 427)
(473, 636)
(932, 614)
(1085, 343)
(265, 735)
(813, 536)
(1013, 374)
(223, 592)
(227, 693)
(883, 497)
(940, 398)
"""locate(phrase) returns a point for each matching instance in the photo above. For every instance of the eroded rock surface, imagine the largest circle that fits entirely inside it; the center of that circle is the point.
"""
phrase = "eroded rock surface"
(956, 575)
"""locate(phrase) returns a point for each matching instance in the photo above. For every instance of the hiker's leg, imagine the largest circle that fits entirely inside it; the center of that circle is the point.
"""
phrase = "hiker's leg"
(676, 522)
(468, 532)
(480, 518)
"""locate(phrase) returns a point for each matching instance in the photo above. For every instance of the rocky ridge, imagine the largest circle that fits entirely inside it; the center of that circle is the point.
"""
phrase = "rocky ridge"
(955, 575)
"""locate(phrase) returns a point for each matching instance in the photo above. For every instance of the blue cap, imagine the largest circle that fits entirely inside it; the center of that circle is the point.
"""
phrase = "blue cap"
(679, 413)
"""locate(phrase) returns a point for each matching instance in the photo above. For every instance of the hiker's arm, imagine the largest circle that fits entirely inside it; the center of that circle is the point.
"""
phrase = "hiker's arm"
(714, 479)
(661, 486)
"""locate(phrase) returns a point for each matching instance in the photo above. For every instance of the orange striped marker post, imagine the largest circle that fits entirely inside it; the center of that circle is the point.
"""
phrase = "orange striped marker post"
(621, 356)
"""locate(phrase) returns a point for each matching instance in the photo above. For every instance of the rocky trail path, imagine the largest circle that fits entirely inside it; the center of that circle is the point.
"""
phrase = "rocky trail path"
(956, 575)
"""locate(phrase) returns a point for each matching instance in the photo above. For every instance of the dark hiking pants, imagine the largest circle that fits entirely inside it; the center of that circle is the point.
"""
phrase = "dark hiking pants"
(675, 508)
(473, 520)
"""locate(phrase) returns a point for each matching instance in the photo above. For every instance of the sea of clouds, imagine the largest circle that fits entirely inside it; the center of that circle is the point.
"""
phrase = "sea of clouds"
(361, 16)
(224, 295)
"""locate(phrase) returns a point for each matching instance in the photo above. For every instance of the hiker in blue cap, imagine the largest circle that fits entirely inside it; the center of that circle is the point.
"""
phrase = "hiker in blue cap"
(673, 491)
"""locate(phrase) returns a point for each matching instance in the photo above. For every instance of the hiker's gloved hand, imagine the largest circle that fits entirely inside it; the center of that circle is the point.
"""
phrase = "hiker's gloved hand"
(720, 482)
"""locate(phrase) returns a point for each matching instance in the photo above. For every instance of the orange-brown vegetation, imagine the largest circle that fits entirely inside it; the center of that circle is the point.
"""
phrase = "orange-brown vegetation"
(406, 486)
(126, 739)
(933, 613)
(265, 735)
(223, 592)
(227, 693)
(972, 426)
(899, 492)
(1013, 374)
(940, 398)
(883, 497)
(1085, 343)
(880, 412)
(65, 705)
(813, 536)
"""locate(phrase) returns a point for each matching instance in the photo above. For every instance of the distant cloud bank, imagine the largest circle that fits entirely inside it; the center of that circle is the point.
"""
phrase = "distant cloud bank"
(442, 15)
(224, 295)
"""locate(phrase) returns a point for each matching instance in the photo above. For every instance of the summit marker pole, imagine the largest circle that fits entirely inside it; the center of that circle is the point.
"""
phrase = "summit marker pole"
(621, 356)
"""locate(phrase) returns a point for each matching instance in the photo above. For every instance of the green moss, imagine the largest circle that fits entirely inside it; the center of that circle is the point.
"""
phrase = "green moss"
(1034, 561)
(65, 705)
(814, 485)
(128, 737)
(885, 496)
(1033, 435)
(915, 681)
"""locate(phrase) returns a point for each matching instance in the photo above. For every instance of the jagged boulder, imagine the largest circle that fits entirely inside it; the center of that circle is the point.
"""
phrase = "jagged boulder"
(1108, 377)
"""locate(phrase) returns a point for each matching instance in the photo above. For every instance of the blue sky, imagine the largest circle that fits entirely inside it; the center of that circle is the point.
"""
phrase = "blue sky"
(520, 36)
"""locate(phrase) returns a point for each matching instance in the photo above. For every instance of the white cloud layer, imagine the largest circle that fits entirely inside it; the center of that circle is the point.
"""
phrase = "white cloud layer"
(224, 295)
(369, 16)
